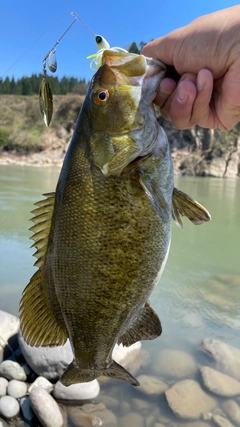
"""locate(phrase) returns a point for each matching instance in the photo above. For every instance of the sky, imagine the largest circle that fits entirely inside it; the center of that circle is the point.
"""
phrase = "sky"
(29, 29)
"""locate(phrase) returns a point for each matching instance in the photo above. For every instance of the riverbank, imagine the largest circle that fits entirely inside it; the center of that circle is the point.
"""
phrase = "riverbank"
(25, 140)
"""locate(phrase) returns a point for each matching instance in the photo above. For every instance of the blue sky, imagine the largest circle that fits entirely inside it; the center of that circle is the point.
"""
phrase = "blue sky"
(120, 22)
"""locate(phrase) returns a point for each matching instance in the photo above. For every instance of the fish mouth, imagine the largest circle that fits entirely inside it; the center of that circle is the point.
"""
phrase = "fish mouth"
(131, 68)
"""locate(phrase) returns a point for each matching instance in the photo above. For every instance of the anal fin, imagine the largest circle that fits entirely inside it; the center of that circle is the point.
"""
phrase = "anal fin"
(74, 374)
(147, 326)
(38, 323)
(184, 205)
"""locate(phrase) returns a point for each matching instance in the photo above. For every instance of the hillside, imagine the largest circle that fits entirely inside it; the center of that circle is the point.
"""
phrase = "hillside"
(25, 139)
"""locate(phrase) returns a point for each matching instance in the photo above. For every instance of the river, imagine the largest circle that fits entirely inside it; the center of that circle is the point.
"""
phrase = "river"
(196, 297)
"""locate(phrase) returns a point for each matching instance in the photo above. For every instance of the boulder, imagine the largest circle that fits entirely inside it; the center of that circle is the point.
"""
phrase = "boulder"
(225, 355)
(188, 401)
(219, 383)
(175, 364)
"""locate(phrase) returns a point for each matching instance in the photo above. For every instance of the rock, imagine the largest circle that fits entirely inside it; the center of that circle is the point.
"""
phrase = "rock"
(187, 400)
(226, 356)
(9, 407)
(175, 364)
(49, 362)
(9, 326)
(45, 408)
(232, 409)
(3, 386)
(26, 409)
(43, 383)
(222, 421)
(229, 279)
(141, 405)
(100, 411)
(193, 424)
(131, 358)
(12, 371)
(219, 383)
(132, 419)
(17, 389)
(109, 401)
(80, 391)
(82, 419)
(151, 385)
(193, 320)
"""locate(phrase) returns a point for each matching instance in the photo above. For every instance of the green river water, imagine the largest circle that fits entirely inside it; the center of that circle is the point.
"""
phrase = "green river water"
(196, 296)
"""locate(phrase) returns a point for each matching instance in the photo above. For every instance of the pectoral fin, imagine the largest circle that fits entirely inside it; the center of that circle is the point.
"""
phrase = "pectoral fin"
(184, 205)
(147, 326)
(155, 196)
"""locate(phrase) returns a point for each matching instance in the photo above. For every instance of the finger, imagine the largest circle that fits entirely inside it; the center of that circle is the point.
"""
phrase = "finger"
(166, 88)
(202, 113)
(179, 105)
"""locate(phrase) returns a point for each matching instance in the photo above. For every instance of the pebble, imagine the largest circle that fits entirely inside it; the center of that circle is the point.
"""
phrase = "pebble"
(232, 409)
(12, 371)
(45, 408)
(80, 391)
(222, 421)
(43, 383)
(9, 407)
(175, 364)
(151, 385)
(187, 400)
(3, 386)
(17, 389)
(219, 383)
(226, 356)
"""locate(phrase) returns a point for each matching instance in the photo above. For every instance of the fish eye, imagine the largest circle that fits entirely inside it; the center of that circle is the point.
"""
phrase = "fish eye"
(101, 96)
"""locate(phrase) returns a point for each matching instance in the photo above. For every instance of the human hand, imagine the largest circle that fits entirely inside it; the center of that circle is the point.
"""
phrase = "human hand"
(206, 54)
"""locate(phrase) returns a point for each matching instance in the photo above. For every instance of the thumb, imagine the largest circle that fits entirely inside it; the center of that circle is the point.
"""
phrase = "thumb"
(161, 48)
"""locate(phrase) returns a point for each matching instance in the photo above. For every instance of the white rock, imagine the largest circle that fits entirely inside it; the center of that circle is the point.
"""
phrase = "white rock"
(49, 362)
(9, 326)
(80, 391)
(3, 386)
(43, 383)
(17, 389)
(26, 408)
(45, 408)
(9, 407)
(12, 371)
(219, 383)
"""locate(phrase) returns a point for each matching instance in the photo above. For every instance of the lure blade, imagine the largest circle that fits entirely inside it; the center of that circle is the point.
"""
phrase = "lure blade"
(46, 101)
(52, 62)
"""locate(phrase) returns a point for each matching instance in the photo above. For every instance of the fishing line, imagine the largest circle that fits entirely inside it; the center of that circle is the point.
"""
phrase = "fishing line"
(33, 45)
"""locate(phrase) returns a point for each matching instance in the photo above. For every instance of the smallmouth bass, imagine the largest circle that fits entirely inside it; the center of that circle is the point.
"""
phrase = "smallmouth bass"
(103, 237)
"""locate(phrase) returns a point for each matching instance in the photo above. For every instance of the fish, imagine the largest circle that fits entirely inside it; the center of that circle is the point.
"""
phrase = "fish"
(102, 238)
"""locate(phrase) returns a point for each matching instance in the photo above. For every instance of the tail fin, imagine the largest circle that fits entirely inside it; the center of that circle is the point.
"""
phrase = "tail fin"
(74, 375)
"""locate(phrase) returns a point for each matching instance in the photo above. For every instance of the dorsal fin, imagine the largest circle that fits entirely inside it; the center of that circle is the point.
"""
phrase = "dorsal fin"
(38, 321)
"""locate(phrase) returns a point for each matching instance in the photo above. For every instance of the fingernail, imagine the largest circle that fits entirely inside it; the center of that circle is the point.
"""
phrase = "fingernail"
(182, 95)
